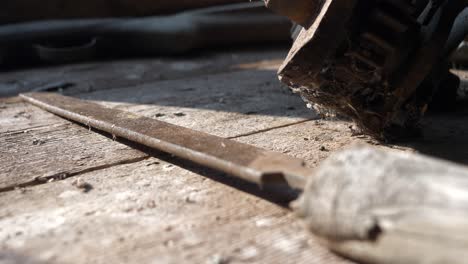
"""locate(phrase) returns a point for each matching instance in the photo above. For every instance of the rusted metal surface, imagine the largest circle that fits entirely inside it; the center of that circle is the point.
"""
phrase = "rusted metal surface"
(250, 163)
(368, 60)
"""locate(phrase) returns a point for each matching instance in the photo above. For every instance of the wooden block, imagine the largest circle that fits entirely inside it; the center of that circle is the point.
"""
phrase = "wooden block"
(380, 206)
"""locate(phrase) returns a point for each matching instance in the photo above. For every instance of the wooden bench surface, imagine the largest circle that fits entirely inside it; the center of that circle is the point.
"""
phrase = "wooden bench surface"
(71, 195)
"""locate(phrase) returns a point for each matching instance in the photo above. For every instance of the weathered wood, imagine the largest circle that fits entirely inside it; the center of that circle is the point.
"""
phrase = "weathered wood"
(312, 141)
(21, 117)
(193, 219)
(57, 152)
(226, 105)
(87, 77)
(370, 204)
(239, 227)
(152, 211)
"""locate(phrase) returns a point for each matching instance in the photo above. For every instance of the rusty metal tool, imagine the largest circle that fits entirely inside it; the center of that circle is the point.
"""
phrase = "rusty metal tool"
(379, 62)
(247, 162)
(75, 39)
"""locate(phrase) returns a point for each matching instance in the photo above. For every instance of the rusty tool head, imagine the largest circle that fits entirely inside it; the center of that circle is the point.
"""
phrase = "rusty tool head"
(370, 60)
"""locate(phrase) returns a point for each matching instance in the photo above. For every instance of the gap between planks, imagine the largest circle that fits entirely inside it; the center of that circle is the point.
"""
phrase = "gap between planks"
(272, 128)
(65, 175)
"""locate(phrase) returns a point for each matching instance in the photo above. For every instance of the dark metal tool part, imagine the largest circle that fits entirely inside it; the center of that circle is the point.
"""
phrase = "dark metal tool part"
(250, 163)
(246, 23)
(30, 10)
(377, 61)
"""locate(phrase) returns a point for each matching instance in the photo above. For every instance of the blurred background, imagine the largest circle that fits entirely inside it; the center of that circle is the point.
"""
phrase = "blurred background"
(36, 33)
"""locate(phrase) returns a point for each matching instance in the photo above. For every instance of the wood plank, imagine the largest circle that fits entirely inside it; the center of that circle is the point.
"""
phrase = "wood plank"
(56, 152)
(230, 124)
(152, 211)
(444, 137)
(21, 117)
(52, 147)
(193, 219)
(312, 141)
(186, 217)
(91, 76)
(227, 105)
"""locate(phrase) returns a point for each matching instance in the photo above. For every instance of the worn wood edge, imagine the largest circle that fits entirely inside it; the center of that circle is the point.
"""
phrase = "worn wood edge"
(388, 207)
(418, 237)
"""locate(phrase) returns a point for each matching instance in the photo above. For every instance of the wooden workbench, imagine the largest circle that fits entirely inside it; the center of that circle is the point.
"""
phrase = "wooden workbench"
(71, 195)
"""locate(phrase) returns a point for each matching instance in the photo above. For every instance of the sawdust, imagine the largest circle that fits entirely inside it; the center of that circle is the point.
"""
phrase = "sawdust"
(38, 142)
(82, 185)
(22, 114)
